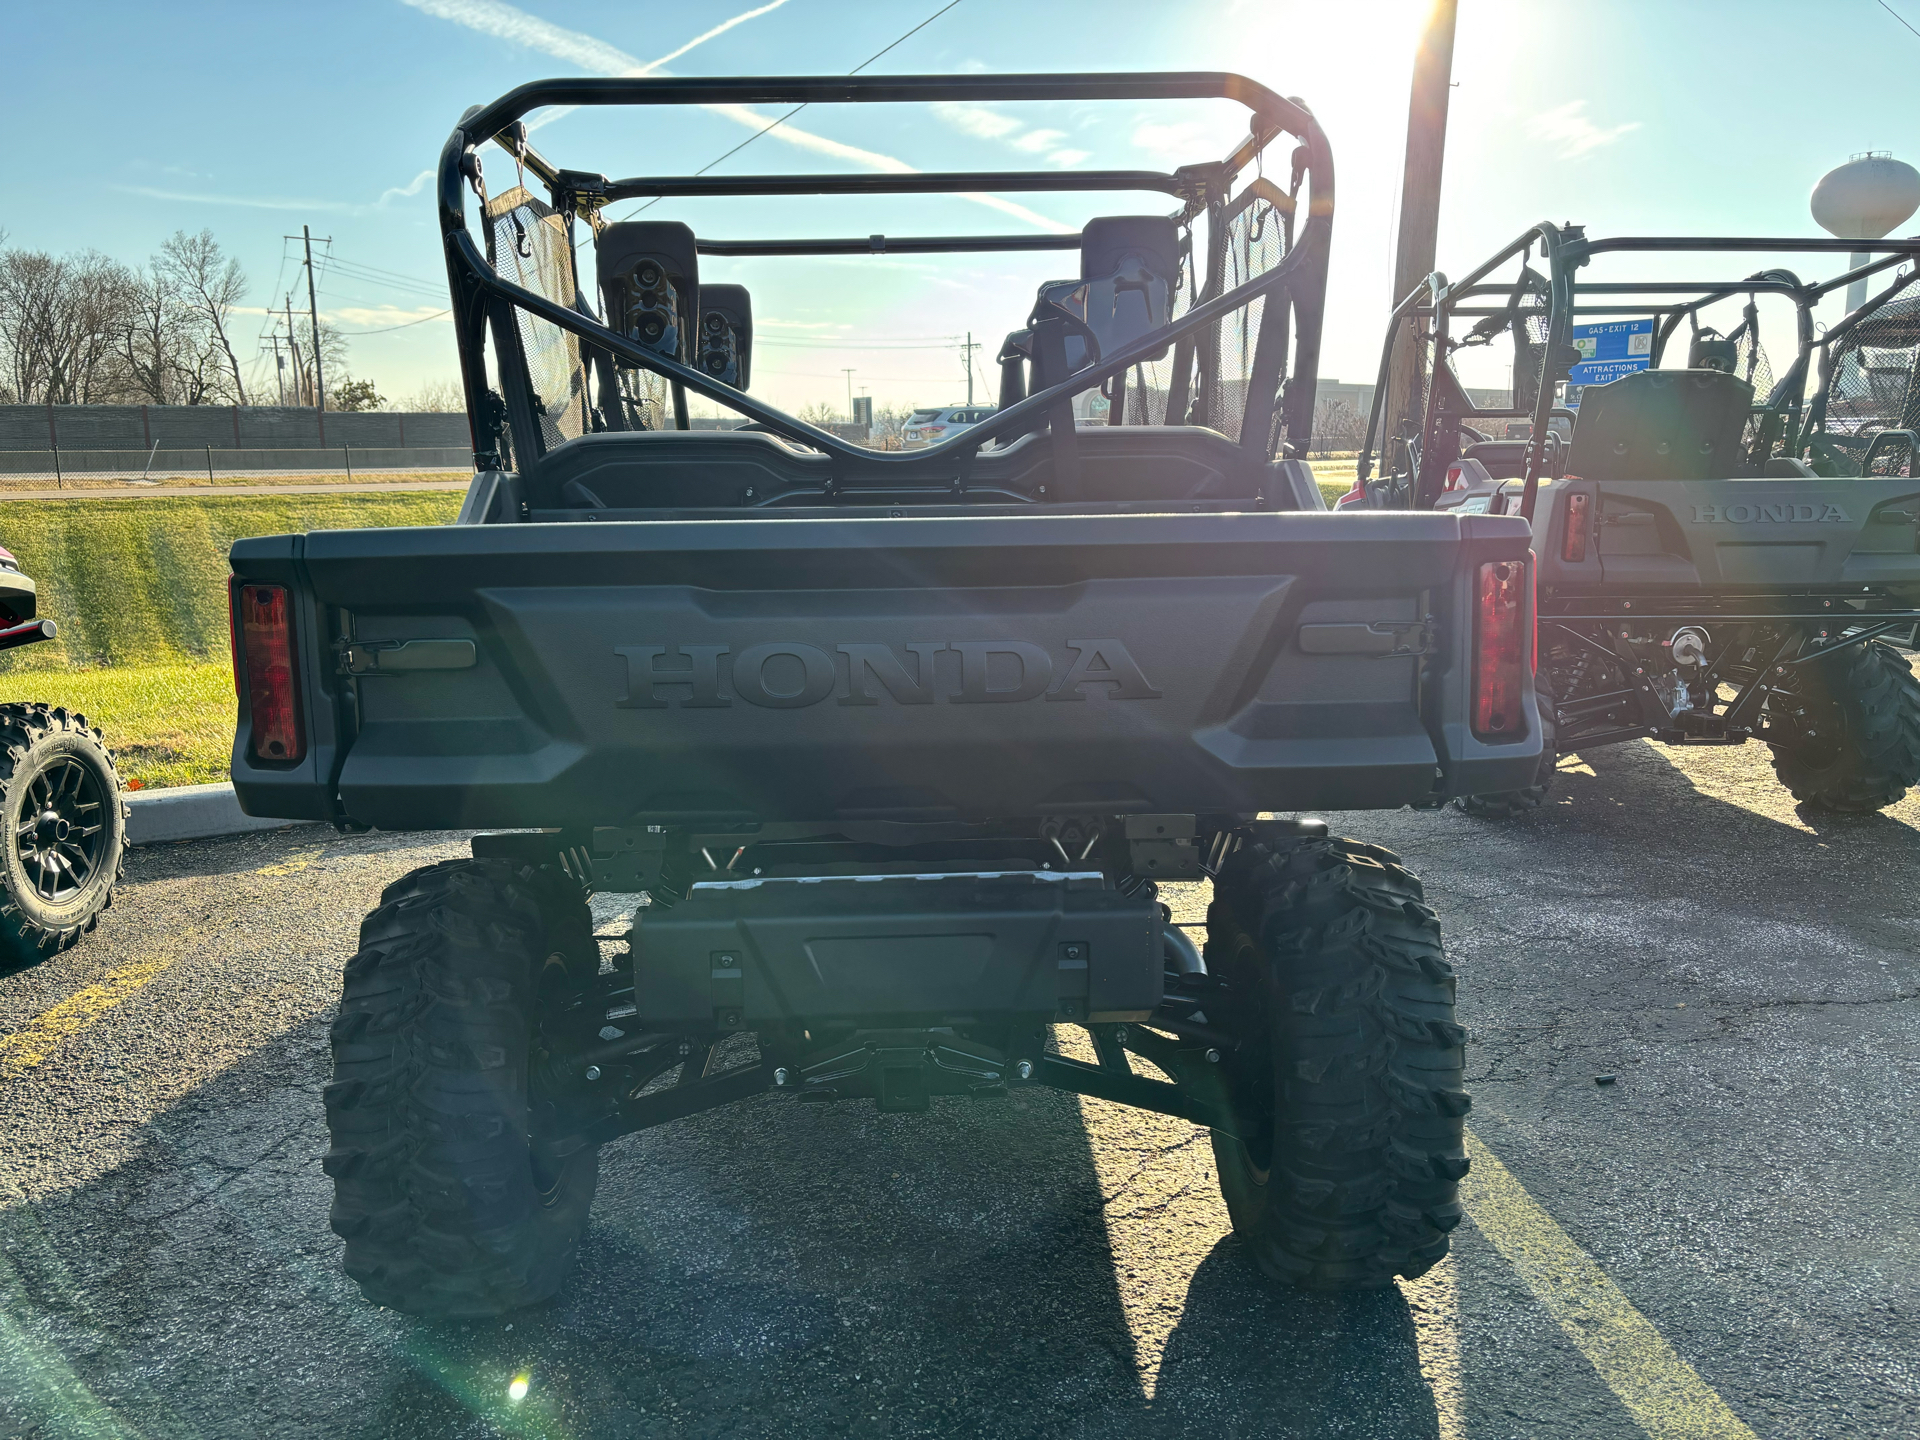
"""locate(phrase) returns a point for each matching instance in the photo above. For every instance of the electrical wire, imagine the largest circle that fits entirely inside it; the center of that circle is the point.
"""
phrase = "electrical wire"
(1892, 11)
(437, 315)
(798, 108)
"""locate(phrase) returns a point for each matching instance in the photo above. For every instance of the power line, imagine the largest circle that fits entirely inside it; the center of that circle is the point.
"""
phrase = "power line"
(1891, 10)
(798, 108)
(437, 315)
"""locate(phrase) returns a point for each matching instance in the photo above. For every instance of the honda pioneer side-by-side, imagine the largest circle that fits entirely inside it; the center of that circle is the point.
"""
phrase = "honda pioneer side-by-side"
(896, 746)
(1723, 555)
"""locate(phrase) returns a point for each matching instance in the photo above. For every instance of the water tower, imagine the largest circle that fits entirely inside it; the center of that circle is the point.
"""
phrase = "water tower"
(1864, 200)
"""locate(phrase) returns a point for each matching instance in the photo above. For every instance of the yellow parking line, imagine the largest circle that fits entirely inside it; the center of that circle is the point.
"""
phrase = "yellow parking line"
(1662, 1392)
(296, 861)
(27, 1047)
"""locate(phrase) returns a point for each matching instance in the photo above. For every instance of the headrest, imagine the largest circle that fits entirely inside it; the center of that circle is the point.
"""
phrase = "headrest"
(1107, 243)
(724, 348)
(1129, 267)
(1711, 351)
(1661, 425)
(649, 278)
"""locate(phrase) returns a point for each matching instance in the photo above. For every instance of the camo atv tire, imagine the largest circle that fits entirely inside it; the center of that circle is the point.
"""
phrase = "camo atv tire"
(1863, 755)
(1350, 1052)
(65, 837)
(447, 1202)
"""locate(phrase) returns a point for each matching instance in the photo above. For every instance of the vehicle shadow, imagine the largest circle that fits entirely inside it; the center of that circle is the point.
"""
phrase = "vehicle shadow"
(768, 1269)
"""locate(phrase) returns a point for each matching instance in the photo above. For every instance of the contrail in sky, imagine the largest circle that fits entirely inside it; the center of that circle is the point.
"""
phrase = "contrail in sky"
(505, 22)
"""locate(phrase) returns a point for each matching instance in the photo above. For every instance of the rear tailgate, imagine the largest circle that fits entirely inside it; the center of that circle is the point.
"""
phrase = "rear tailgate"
(909, 669)
(1777, 533)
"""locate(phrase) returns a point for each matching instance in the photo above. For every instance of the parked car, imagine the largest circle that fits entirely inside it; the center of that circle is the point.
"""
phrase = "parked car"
(928, 426)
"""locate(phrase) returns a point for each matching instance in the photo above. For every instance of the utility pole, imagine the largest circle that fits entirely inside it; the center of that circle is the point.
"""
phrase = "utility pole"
(293, 349)
(848, 371)
(313, 306)
(967, 352)
(1421, 186)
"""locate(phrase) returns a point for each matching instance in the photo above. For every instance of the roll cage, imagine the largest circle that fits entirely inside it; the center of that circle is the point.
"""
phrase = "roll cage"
(1276, 399)
(1785, 424)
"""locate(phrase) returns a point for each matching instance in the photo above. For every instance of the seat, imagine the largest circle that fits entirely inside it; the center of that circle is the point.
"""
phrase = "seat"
(1661, 425)
(724, 348)
(649, 276)
(1130, 266)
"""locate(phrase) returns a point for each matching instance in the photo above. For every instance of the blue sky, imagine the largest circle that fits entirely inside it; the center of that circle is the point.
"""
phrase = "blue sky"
(1633, 116)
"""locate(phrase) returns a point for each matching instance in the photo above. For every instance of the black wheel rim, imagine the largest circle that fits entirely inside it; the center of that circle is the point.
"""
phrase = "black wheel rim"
(62, 831)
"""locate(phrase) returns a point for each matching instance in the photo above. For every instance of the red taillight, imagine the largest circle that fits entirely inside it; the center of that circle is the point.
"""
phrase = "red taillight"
(1574, 543)
(1501, 611)
(1453, 480)
(1355, 496)
(264, 666)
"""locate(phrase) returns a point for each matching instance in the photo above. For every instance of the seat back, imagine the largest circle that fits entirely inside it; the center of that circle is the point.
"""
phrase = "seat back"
(725, 346)
(650, 284)
(1661, 425)
(1129, 268)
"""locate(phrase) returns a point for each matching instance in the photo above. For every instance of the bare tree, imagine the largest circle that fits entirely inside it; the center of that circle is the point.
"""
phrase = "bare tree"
(61, 319)
(437, 396)
(1337, 426)
(207, 284)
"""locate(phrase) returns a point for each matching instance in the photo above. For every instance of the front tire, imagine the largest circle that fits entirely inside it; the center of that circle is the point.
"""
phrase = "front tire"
(1863, 754)
(441, 1189)
(1350, 1053)
(65, 835)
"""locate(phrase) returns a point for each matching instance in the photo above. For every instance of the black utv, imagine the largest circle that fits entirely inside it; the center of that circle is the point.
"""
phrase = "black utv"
(895, 745)
(61, 805)
(1724, 555)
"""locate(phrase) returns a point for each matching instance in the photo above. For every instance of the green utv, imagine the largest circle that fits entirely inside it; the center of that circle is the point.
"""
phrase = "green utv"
(1723, 555)
(897, 746)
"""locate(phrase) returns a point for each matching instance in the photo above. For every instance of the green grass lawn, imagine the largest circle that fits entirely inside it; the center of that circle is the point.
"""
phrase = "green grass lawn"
(167, 725)
(137, 583)
(138, 589)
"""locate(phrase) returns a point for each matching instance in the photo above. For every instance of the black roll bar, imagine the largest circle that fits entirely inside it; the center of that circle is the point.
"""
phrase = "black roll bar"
(919, 183)
(472, 280)
(891, 245)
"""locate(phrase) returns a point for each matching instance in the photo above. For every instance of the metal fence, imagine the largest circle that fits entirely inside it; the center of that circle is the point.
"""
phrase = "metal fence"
(212, 465)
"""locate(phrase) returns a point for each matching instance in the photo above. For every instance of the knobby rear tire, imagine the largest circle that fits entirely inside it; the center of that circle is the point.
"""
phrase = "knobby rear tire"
(1346, 1003)
(1868, 693)
(439, 1190)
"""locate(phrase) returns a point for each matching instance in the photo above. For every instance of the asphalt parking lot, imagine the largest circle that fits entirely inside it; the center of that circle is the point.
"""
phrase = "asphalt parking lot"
(1723, 1239)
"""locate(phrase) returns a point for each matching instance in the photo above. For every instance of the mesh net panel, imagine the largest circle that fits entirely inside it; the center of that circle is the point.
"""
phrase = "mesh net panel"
(1256, 243)
(527, 244)
(1873, 382)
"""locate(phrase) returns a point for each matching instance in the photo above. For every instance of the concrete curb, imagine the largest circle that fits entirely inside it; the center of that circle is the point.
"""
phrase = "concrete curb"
(192, 813)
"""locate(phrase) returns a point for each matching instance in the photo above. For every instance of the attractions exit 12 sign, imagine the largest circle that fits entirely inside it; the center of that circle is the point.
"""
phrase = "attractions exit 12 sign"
(1611, 349)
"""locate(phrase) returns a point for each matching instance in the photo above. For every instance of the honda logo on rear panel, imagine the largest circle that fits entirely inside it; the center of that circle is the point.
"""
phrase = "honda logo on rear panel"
(786, 675)
(1782, 514)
